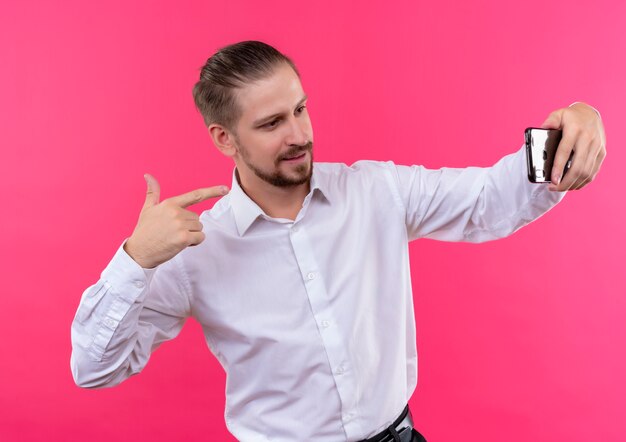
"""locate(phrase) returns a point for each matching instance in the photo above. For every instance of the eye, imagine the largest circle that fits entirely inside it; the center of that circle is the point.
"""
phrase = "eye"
(273, 124)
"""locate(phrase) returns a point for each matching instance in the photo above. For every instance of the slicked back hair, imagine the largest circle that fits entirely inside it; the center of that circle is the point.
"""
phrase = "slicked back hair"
(230, 68)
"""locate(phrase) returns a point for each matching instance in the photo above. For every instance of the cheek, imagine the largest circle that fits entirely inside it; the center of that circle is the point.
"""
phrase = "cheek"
(309, 128)
(274, 144)
(269, 149)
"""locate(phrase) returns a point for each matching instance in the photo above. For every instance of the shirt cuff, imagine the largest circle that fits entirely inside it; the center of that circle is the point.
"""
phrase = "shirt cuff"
(125, 274)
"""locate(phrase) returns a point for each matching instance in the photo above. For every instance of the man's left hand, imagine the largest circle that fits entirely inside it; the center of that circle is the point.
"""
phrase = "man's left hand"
(583, 132)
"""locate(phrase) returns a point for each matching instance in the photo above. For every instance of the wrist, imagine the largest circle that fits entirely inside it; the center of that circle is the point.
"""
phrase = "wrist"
(131, 251)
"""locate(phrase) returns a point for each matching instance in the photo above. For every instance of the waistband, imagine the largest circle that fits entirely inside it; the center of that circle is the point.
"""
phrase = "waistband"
(390, 433)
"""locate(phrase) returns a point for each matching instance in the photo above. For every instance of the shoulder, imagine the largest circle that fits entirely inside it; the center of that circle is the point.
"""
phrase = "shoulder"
(362, 170)
(363, 180)
(219, 219)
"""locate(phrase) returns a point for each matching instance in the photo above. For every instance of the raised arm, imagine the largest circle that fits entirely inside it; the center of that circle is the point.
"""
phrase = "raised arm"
(480, 204)
(141, 298)
(123, 318)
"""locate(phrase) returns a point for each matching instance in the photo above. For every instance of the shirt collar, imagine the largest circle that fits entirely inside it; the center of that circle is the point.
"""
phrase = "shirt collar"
(247, 211)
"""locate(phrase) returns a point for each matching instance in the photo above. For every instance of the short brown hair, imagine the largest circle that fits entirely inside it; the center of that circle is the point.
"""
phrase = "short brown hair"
(233, 67)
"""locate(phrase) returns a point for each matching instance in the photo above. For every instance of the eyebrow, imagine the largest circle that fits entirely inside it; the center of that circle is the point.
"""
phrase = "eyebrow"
(280, 114)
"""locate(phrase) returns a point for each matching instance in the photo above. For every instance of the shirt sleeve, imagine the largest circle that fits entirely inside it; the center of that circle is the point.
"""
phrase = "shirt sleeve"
(124, 317)
(472, 204)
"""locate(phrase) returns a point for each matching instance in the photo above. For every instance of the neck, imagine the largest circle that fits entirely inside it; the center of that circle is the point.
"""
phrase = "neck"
(277, 202)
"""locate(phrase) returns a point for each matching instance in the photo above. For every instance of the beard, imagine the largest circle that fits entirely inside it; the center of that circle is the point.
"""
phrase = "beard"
(300, 174)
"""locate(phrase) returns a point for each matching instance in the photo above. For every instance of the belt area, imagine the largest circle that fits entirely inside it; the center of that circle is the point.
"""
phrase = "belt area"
(395, 432)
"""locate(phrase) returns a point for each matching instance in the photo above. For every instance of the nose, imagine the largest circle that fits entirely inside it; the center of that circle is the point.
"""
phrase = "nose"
(298, 132)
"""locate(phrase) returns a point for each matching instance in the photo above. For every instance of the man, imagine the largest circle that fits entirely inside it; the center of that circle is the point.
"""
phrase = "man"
(300, 275)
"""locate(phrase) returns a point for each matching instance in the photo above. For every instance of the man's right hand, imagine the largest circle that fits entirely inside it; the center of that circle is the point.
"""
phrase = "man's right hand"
(165, 228)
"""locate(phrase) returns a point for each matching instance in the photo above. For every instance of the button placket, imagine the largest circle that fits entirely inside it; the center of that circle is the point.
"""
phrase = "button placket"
(319, 300)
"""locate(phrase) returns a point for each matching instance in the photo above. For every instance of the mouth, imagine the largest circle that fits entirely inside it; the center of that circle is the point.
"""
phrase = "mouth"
(295, 159)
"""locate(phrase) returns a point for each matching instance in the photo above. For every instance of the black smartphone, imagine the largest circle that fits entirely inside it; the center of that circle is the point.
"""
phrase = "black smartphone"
(541, 145)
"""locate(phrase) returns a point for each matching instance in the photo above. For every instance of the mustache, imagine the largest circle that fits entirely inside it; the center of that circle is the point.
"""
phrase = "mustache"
(297, 151)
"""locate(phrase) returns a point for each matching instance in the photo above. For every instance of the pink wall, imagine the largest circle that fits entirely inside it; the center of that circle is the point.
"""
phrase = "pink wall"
(92, 95)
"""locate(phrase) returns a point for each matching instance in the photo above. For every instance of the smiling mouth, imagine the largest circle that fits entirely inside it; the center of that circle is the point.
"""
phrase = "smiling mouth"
(296, 157)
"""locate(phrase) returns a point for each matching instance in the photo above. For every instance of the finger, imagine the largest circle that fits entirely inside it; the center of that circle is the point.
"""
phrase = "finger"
(195, 238)
(599, 157)
(188, 215)
(193, 226)
(563, 151)
(576, 170)
(592, 167)
(598, 163)
(553, 121)
(584, 162)
(198, 195)
(585, 175)
(582, 183)
(153, 191)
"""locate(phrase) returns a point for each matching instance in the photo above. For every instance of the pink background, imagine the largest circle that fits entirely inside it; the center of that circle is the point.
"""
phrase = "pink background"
(92, 95)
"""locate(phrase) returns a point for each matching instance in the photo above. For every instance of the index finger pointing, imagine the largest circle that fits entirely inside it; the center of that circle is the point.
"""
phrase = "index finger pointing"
(198, 195)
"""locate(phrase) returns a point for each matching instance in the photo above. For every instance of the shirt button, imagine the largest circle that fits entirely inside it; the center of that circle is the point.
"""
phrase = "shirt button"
(139, 284)
(340, 370)
(310, 276)
(294, 229)
(109, 322)
(325, 323)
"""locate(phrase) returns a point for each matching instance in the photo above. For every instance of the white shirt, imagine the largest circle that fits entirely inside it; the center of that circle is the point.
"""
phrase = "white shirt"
(313, 319)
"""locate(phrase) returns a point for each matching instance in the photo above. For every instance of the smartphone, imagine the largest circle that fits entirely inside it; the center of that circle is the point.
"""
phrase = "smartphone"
(541, 145)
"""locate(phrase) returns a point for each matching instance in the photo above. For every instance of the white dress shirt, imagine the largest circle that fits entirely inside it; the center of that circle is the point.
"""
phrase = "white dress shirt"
(311, 319)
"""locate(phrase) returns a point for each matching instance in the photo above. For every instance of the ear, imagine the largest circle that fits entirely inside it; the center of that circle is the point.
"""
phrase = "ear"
(223, 139)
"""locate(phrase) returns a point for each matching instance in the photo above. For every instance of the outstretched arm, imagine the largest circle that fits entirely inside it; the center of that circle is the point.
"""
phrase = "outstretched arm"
(477, 204)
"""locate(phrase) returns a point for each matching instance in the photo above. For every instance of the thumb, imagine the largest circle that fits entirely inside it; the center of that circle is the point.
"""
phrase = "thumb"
(153, 191)
(553, 121)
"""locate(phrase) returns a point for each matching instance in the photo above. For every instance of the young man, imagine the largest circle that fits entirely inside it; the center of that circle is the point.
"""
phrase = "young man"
(300, 275)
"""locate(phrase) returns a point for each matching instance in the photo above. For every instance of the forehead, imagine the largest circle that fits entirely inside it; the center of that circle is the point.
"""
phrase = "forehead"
(274, 94)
